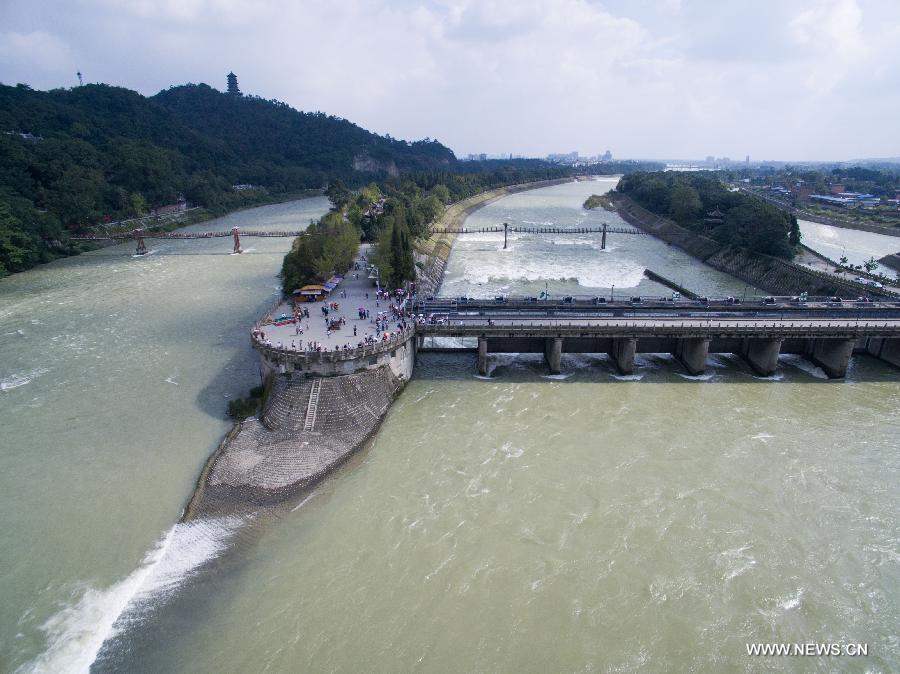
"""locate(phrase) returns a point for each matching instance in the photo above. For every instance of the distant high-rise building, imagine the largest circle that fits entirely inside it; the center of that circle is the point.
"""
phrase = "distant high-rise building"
(747, 161)
(233, 85)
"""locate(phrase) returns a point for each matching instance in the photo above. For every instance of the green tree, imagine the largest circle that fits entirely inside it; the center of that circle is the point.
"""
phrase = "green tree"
(137, 205)
(441, 193)
(17, 249)
(338, 194)
(684, 204)
(795, 235)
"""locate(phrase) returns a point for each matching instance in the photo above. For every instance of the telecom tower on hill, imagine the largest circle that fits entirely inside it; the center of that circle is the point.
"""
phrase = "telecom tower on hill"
(233, 85)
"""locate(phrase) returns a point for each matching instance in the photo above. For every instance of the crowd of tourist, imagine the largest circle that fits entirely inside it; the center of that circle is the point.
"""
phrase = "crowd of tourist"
(385, 325)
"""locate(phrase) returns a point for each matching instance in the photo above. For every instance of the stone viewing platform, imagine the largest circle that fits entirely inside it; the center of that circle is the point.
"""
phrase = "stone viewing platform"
(322, 403)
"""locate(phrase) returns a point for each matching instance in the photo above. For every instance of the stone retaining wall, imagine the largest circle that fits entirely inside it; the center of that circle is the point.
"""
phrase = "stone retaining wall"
(892, 261)
(398, 353)
(774, 275)
(271, 459)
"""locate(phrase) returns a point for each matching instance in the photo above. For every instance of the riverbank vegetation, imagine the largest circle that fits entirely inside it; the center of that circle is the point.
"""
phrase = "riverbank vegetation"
(328, 247)
(241, 408)
(598, 200)
(701, 203)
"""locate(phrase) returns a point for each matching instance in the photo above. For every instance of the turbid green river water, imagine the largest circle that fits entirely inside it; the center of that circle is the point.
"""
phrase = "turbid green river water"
(521, 522)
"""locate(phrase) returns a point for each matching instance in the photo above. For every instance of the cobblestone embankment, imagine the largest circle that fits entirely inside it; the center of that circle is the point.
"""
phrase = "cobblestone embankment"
(771, 274)
(892, 261)
(293, 444)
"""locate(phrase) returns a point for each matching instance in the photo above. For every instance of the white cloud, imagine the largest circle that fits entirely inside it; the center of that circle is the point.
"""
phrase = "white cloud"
(666, 78)
(36, 50)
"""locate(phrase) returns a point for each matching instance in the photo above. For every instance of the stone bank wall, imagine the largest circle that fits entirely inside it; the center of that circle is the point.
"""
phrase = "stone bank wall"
(398, 354)
(309, 426)
(269, 460)
(774, 275)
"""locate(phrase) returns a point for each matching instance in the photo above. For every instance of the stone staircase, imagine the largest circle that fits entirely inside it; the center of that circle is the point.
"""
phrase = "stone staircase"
(312, 406)
(288, 402)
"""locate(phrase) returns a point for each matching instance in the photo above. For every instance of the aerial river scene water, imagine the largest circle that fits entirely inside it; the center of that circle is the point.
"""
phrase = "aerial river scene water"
(520, 521)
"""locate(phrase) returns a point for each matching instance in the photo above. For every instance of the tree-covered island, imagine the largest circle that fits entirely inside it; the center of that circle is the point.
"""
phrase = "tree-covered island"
(701, 203)
(598, 200)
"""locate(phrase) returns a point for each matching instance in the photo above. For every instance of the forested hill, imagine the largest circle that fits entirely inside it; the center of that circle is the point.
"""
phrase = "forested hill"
(273, 131)
(70, 158)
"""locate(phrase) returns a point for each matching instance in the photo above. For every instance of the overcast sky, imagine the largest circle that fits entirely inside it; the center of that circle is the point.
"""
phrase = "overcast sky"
(777, 79)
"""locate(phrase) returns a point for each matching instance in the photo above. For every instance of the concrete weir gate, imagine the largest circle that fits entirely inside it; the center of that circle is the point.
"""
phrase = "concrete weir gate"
(828, 338)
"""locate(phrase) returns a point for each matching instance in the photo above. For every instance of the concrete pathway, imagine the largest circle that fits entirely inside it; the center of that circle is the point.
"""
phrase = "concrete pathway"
(350, 296)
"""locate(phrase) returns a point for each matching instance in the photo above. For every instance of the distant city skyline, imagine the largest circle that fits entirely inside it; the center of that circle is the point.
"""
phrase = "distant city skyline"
(786, 81)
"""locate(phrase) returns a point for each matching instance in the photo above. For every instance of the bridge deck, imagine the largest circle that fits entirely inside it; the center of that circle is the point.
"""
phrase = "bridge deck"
(662, 327)
(184, 235)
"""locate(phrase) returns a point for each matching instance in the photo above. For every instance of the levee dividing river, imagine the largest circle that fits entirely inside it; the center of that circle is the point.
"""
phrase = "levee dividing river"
(520, 522)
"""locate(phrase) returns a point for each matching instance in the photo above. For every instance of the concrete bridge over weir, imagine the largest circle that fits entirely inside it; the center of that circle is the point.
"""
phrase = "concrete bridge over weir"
(826, 333)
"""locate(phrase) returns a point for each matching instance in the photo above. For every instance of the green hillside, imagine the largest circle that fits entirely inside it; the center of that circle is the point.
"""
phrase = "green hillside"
(70, 158)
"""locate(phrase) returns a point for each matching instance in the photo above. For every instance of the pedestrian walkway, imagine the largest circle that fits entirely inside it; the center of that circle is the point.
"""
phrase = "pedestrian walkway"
(355, 294)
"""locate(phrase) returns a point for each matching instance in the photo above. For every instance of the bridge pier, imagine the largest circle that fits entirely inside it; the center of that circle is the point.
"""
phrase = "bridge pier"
(761, 354)
(482, 356)
(831, 354)
(553, 353)
(885, 349)
(140, 246)
(622, 353)
(603, 239)
(692, 353)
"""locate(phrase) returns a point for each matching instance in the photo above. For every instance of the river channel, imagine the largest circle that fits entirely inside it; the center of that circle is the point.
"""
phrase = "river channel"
(857, 246)
(520, 522)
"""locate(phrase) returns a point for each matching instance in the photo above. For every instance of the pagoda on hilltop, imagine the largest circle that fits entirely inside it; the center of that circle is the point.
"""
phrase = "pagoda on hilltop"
(233, 89)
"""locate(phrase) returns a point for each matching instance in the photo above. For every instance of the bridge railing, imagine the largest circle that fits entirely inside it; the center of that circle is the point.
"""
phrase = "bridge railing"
(669, 328)
(765, 302)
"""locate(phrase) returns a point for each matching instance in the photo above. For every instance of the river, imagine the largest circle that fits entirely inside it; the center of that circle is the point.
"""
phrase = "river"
(115, 374)
(858, 246)
(521, 522)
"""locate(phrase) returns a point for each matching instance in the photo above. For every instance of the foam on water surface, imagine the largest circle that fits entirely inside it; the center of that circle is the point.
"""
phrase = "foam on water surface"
(15, 380)
(803, 364)
(76, 634)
